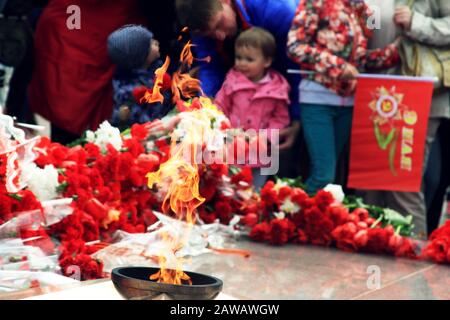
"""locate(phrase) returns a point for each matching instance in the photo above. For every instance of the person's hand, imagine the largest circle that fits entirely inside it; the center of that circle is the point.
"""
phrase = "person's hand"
(349, 73)
(397, 41)
(124, 113)
(403, 17)
(288, 136)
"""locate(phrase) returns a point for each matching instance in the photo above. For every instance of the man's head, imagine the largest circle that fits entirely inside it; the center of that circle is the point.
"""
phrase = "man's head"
(211, 18)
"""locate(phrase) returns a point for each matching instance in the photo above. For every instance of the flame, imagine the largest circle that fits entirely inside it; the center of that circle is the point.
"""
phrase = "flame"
(155, 95)
(180, 173)
(186, 56)
(183, 84)
(167, 275)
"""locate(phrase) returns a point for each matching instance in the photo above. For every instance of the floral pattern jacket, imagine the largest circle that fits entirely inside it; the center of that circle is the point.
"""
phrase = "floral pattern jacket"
(327, 34)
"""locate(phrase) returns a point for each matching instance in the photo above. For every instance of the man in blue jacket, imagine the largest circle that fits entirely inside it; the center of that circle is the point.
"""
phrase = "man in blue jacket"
(215, 25)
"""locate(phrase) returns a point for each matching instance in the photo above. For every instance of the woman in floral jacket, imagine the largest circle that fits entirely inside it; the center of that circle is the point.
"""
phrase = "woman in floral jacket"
(329, 37)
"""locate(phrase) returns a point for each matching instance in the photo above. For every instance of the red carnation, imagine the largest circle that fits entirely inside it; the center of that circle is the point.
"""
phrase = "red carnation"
(92, 150)
(223, 211)
(323, 199)
(438, 250)
(245, 175)
(260, 232)
(284, 192)
(96, 210)
(134, 147)
(269, 195)
(139, 131)
(344, 236)
(250, 219)
(207, 217)
(318, 226)
(301, 198)
(361, 238)
(148, 162)
(281, 231)
(302, 237)
(138, 93)
(378, 240)
(338, 215)
(89, 268)
(362, 213)
(401, 247)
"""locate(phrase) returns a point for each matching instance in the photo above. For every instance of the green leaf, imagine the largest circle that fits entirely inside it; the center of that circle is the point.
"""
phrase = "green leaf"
(80, 141)
(233, 170)
(126, 132)
(383, 140)
(392, 156)
(15, 196)
(61, 188)
(292, 182)
(396, 218)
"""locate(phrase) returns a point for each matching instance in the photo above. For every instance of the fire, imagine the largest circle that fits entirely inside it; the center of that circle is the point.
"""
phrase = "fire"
(168, 275)
(179, 174)
(155, 94)
(181, 178)
(183, 85)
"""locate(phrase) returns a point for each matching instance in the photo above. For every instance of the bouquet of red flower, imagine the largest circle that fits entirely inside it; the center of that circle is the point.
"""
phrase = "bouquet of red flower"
(289, 215)
(438, 249)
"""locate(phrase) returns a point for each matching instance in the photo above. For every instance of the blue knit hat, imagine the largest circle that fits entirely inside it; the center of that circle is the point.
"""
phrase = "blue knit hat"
(128, 47)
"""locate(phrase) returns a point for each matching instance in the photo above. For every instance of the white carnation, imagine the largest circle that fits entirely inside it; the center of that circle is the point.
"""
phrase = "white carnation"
(279, 215)
(289, 207)
(336, 191)
(105, 134)
(42, 182)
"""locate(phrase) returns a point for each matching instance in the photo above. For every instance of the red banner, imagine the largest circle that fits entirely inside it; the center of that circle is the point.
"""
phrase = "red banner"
(388, 133)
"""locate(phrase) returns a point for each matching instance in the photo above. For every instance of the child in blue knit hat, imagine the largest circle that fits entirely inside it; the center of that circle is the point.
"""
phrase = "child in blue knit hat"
(136, 54)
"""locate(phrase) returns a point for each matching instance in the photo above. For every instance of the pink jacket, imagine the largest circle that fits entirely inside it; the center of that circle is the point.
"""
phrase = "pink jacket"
(251, 105)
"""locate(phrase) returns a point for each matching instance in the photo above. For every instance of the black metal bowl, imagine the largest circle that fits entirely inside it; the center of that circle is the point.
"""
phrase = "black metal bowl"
(134, 283)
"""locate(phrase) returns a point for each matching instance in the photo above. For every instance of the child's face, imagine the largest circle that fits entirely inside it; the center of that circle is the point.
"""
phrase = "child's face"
(153, 54)
(223, 24)
(251, 62)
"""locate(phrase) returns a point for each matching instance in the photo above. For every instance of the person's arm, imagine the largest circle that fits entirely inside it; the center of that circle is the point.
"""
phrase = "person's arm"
(211, 74)
(433, 31)
(382, 58)
(429, 30)
(280, 116)
(223, 100)
(301, 42)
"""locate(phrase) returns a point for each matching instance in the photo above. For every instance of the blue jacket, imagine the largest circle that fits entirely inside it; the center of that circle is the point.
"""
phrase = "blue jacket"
(273, 15)
(124, 83)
